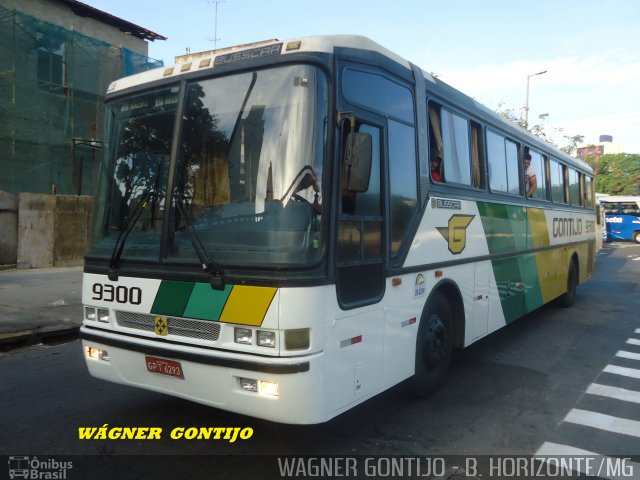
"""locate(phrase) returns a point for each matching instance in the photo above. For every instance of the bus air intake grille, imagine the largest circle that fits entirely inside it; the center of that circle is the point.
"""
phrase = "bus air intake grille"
(180, 327)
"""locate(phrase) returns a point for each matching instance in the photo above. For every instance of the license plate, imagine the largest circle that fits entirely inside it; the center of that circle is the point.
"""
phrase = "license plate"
(163, 366)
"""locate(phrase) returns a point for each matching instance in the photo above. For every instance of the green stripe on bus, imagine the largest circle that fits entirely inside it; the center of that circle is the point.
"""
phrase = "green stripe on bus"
(206, 303)
(505, 227)
(509, 229)
(172, 298)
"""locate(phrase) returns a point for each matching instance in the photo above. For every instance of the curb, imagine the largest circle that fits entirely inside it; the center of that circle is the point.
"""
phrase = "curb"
(25, 338)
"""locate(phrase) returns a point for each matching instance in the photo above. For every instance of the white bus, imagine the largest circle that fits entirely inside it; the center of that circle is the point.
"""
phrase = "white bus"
(270, 238)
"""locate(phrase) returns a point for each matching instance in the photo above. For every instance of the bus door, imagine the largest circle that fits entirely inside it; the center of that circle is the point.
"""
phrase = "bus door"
(356, 335)
(359, 253)
(613, 221)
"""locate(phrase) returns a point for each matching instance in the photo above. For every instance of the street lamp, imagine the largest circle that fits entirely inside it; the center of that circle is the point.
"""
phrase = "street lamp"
(526, 102)
(94, 145)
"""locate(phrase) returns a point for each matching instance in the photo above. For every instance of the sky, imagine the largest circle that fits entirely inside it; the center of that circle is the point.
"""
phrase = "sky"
(590, 49)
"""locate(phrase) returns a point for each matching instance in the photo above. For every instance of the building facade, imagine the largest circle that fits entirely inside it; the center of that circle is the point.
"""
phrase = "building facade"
(605, 146)
(57, 58)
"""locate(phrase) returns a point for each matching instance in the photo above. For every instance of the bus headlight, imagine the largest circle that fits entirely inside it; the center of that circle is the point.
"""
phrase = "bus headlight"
(97, 354)
(249, 385)
(266, 339)
(103, 315)
(242, 335)
(268, 388)
(90, 313)
(259, 386)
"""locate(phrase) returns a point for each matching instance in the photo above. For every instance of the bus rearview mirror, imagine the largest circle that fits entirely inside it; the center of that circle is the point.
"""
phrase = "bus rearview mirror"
(356, 166)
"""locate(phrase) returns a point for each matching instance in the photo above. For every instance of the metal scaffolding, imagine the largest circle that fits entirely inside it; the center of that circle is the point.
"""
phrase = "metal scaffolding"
(52, 87)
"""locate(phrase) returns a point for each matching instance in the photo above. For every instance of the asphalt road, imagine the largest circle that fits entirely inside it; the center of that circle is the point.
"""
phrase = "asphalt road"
(552, 382)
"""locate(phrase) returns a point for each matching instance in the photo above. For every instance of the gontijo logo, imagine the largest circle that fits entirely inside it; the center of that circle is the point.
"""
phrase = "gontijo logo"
(456, 232)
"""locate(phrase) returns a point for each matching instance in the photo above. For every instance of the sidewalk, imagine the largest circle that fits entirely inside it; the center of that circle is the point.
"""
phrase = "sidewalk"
(39, 303)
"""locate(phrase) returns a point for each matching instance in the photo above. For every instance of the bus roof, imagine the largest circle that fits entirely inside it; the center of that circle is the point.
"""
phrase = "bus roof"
(327, 44)
(619, 198)
(209, 59)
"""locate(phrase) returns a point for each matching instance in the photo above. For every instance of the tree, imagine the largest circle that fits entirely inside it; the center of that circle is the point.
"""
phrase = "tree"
(542, 130)
(619, 174)
(574, 141)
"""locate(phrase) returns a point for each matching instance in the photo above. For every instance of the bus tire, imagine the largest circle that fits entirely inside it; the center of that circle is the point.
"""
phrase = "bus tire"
(636, 237)
(568, 298)
(434, 346)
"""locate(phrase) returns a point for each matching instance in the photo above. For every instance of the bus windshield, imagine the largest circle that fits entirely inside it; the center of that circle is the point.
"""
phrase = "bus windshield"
(249, 168)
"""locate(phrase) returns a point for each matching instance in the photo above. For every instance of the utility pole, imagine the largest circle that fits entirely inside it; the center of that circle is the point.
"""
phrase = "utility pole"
(526, 102)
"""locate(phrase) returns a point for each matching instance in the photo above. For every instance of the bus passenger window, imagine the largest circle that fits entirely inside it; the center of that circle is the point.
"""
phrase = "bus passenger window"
(574, 187)
(588, 191)
(538, 169)
(557, 182)
(630, 208)
(476, 161)
(435, 162)
(403, 189)
(449, 134)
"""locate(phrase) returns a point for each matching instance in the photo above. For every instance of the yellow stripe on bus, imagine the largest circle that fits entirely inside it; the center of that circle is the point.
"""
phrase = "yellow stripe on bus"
(538, 228)
(552, 268)
(247, 305)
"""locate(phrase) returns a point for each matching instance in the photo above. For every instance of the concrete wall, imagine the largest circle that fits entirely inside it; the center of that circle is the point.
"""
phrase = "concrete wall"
(53, 230)
(71, 229)
(8, 228)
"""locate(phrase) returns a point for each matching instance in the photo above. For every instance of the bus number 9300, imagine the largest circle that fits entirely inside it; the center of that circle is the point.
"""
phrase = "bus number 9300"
(119, 294)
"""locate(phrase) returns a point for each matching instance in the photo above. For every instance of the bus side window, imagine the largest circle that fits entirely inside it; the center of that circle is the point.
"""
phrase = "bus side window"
(435, 140)
(450, 135)
(403, 192)
(476, 156)
(558, 194)
(629, 208)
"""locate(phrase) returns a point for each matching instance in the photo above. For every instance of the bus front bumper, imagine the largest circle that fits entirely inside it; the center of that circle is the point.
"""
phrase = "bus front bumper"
(280, 389)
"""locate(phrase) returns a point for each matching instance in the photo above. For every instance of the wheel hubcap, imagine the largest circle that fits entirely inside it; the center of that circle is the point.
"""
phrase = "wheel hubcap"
(435, 342)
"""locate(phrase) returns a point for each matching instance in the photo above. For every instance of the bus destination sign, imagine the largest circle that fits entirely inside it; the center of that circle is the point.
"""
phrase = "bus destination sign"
(248, 54)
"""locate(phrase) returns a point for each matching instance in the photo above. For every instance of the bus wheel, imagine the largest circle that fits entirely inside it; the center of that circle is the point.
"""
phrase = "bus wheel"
(434, 346)
(636, 237)
(567, 299)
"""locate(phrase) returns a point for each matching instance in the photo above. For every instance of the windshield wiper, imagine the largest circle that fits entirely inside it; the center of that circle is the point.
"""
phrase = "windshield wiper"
(216, 274)
(112, 270)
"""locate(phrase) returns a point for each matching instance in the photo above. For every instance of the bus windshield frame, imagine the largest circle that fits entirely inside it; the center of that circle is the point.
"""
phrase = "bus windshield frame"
(248, 166)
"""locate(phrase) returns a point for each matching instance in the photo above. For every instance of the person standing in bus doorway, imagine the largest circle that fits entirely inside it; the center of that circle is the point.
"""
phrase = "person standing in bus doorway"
(530, 181)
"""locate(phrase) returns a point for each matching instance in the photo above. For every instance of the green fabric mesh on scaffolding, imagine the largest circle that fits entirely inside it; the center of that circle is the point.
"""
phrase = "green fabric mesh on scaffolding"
(52, 87)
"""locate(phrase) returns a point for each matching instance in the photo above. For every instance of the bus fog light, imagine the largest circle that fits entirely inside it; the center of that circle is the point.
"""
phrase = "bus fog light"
(243, 336)
(249, 385)
(297, 339)
(97, 354)
(268, 388)
(103, 315)
(266, 339)
(89, 313)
